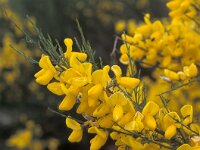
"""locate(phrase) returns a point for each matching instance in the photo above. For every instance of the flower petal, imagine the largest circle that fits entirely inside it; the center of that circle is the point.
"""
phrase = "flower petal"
(55, 87)
(149, 122)
(72, 124)
(128, 82)
(116, 70)
(98, 131)
(117, 112)
(187, 113)
(97, 142)
(45, 77)
(170, 119)
(117, 98)
(76, 136)
(151, 108)
(191, 71)
(101, 110)
(68, 43)
(170, 132)
(94, 93)
(45, 63)
(68, 102)
(171, 74)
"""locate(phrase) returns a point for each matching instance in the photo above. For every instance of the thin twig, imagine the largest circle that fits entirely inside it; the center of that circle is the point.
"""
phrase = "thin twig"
(179, 86)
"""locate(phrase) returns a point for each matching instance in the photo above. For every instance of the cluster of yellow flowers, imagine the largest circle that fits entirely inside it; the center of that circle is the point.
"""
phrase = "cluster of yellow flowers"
(188, 72)
(170, 47)
(169, 44)
(114, 105)
(30, 139)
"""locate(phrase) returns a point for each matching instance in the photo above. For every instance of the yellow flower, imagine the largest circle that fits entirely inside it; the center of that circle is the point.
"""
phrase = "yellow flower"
(149, 111)
(191, 71)
(100, 78)
(68, 102)
(94, 93)
(77, 132)
(106, 121)
(68, 43)
(46, 74)
(136, 124)
(126, 82)
(80, 72)
(75, 58)
(173, 4)
(77, 78)
(99, 140)
(117, 112)
(181, 75)
(166, 61)
(131, 142)
(127, 38)
(171, 74)
(56, 88)
(21, 140)
(117, 100)
(126, 118)
(187, 113)
(101, 110)
(170, 124)
(114, 135)
(124, 59)
(120, 26)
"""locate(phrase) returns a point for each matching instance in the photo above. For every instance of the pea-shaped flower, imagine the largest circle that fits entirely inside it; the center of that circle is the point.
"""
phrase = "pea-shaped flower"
(171, 74)
(127, 82)
(56, 88)
(99, 140)
(100, 80)
(187, 113)
(170, 121)
(136, 124)
(117, 100)
(68, 102)
(68, 43)
(191, 71)
(149, 111)
(77, 132)
(46, 74)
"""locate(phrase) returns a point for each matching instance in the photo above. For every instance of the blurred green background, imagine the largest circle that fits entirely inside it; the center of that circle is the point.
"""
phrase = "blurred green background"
(21, 99)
